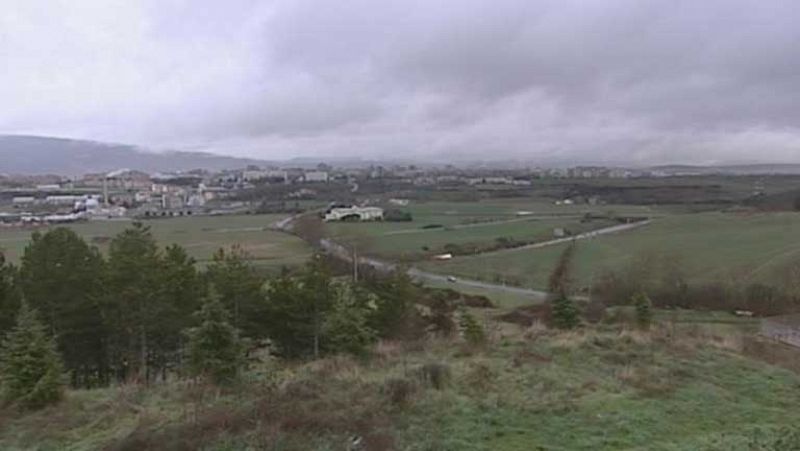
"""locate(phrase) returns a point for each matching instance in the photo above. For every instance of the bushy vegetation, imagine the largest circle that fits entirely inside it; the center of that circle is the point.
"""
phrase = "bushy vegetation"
(395, 215)
(134, 316)
(472, 331)
(600, 388)
(214, 349)
(644, 309)
(667, 285)
(565, 314)
(30, 367)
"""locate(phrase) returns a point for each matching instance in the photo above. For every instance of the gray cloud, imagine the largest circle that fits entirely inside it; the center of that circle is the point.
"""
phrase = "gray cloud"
(620, 81)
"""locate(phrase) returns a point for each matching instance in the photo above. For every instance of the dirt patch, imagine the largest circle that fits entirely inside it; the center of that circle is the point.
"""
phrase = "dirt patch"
(477, 301)
(772, 352)
(526, 316)
(526, 356)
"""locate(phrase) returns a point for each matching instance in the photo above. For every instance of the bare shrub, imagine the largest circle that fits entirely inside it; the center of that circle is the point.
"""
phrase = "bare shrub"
(335, 366)
(535, 330)
(595, 311)
(477, 301)
(399, 391)
(649, 382)
(526, 356)
(435, 374)
(388, 349)
(479, 377)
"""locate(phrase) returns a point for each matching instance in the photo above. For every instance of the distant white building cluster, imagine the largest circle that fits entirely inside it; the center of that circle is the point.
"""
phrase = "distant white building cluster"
(269, 188)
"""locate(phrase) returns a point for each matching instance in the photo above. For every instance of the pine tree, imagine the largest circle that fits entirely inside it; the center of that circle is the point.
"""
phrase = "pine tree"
(31, 370)
(135, 301)
(564, 313)
(346, 327)
(215, 351)
(181, 295)
(644, 309)
(296, 310)
(240, 290)
(61, 276)
(9, 298)
(395, 315)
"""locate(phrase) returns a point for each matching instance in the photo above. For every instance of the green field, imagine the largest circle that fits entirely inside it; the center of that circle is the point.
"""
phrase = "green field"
(707, 246)
(472, 223)
(200, 235)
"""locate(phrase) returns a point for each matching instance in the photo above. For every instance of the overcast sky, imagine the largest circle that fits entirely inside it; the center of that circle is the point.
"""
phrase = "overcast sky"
(669, 81)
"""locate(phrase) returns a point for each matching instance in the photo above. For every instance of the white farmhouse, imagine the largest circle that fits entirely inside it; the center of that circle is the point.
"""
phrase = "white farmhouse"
(354, 213)
(315, 176)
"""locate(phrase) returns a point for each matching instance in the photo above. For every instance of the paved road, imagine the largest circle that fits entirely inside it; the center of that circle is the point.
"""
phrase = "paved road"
(424, 276)
(580, 236)
(345, 254)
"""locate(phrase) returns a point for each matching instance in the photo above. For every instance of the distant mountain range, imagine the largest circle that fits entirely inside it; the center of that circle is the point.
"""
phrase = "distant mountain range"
(31, 155)
(740, 169)
(44, 155)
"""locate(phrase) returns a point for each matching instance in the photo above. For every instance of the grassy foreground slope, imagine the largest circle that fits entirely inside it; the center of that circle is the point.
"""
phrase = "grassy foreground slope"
(200, 235)
(708, 246)
(594, 389)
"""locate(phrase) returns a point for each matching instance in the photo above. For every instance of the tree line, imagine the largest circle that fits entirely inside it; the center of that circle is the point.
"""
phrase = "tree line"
(145, 313)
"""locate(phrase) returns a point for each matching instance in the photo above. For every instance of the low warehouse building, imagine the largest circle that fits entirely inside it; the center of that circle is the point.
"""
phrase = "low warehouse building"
(354, 214)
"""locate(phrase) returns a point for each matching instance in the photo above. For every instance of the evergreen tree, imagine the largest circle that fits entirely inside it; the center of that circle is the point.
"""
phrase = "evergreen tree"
(180, 297)
(215, 351)
(135, 300)
(321, 294)
(644, 309)
(297, 308)
(9, 297)
(564, 313)
(394, 314)
(30, 370)
(240, 290)
(346, 328)
(290, 324)
(471, 329)
(62, 277)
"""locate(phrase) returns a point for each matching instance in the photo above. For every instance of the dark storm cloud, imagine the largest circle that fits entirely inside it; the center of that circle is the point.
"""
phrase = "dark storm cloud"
(616, 81)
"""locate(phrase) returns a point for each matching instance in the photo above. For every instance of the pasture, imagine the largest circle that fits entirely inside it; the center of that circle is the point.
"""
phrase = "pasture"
(753, 247)
(472, 224)
(200, 235)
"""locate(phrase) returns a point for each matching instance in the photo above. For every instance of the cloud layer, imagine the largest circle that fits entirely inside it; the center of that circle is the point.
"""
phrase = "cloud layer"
(545, 81)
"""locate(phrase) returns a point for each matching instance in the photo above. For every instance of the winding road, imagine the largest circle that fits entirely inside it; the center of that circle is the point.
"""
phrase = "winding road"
(344, 253)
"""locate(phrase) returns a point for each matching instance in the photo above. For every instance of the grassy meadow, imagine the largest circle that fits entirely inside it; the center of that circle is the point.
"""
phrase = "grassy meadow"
(707, 246)
(472, 223)
(200, 235)
(598, 388)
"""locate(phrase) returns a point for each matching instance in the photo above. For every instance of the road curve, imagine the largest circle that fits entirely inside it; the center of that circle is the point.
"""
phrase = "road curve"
(344, 253)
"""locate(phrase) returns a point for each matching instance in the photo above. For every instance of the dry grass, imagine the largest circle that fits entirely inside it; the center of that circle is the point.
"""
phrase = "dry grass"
(429, 395)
